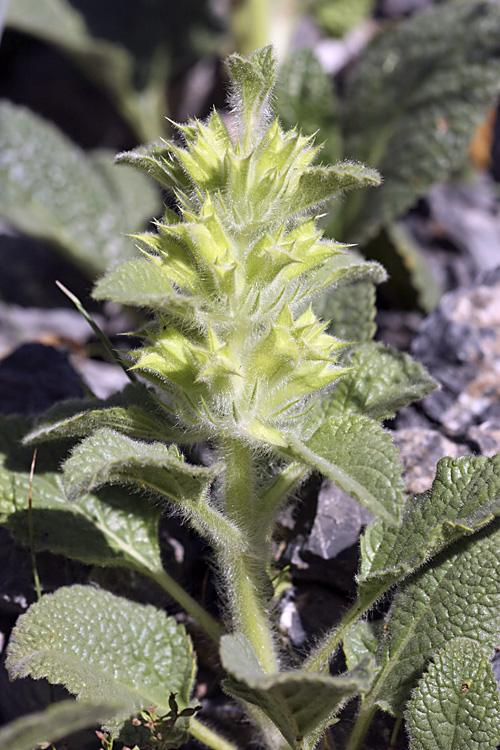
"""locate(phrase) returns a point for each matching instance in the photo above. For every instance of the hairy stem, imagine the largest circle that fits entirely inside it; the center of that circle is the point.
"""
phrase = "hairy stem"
(208, 737)
(317, 661)
(363, 721)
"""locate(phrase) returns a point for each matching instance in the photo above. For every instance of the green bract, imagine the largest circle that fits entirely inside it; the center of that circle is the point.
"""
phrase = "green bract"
(233, 354)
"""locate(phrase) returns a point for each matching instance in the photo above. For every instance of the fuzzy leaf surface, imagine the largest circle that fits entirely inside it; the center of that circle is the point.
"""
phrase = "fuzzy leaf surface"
(58, 194)
(465, 496)
(361, 641)
(455, 706)
(112, 528)
(358, 454)
(413, 102)
(100, 646)
(382, 381)
(53, 724)
(455, 596)
(107, 457)
(350, 310)
(300, 704)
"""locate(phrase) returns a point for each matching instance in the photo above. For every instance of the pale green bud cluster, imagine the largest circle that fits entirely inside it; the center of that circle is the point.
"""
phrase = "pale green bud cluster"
(235, 342)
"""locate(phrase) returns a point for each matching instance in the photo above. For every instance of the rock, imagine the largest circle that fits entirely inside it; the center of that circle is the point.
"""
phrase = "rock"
(421, 449)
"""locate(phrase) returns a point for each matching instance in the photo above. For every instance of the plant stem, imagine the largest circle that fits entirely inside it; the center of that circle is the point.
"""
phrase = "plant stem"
(317, 661)
(209, 737)
(34, 565)
(270, 501)
(190, 605)
(361, 727)
(244, 559)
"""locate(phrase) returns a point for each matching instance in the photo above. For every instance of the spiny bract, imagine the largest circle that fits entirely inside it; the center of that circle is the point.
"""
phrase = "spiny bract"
(234, 341)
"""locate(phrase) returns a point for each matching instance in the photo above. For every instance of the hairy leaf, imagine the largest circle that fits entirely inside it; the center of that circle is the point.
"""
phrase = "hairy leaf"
(455, 705)
(413, 102)
(106, 457)
(304, 95)
(361, 641)
(457, 595)
(358, 454)
(300, 704)
(55, 192)
(112, 528)
(465, 496)
(350, 310)
(100, 646)
(54, 723)
(382, 381)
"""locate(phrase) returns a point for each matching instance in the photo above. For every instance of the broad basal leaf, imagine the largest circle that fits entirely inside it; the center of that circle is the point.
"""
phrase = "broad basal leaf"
(382, 381)
(413, 102)
(51, 190)
(358, 454)
(102, 647)
(455, 705)
(350, 310)
(465, 496)
(361, 641)
(53, 724)
(455, 596)
(107, 457)
(112, 528)
(300, 704)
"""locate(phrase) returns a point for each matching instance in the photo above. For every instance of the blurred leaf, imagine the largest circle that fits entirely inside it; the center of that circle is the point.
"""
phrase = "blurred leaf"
(455, 705)
(107, 63)
(422, 276)
(53, 724)
(51, 190)
(305, 97)
(99, 646)
(338, 17)
(413, 102)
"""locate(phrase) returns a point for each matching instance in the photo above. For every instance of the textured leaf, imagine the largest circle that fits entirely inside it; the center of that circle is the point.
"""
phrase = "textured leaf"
(317, 184)
(112, 528)
(358, 454)
(455, 705)
(457, 595)
(53, 724)
(106, 457)
(339, 17)
(305, 97)
(465, 496)
(361, 641)
(135, 412)
(414, 101)
(50, 189)
(300, 704)
(350, 310)
(102, 647)
(382, 381)
(109, 64)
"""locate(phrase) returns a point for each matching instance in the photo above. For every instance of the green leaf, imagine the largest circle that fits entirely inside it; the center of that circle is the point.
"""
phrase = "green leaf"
(109, 64)
(253, 80)
(382, 381)
(51, 190)
(53, 724)
(361, 641)
(102, 647)
(358, 454)
(305, 97)
(464, 497)
(112, 528)
(317, 184)
(455, 705)
(413, 103)
(350, 310)
(339, 17)
(106, 457)
(158, 161)
(456, 595)
(300, 704)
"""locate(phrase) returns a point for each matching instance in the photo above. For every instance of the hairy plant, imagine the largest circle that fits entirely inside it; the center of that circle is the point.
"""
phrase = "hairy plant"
(234, 356)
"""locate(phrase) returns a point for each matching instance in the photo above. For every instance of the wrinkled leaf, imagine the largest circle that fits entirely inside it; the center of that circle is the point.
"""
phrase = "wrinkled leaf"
(455, 705)
(300, 704)
(106, 457)
(361, 641)
(53, 724)
(305, 97)
(99, 646)
(413, 103)
(382, 381)
(464, 497)
(457, 595)
(350, 310)
(51, 190)
(358, 454)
